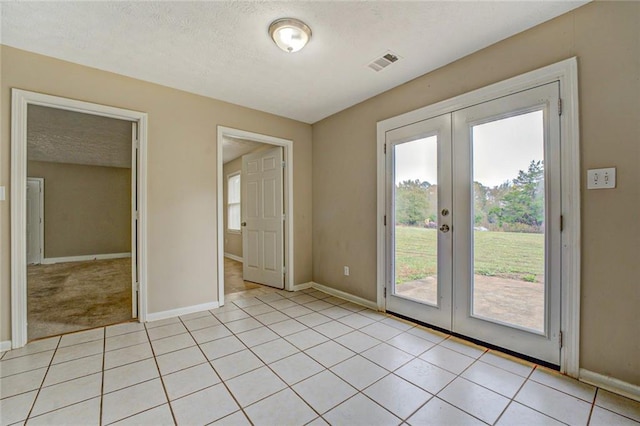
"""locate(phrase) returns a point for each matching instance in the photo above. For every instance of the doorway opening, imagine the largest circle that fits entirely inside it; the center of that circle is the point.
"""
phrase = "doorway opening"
(255, 226)
(78, 209)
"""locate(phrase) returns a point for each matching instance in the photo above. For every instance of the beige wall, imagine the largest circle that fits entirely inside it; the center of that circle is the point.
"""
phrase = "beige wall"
(606, 39)
(87, 209)
(181, 173)
(232, 240)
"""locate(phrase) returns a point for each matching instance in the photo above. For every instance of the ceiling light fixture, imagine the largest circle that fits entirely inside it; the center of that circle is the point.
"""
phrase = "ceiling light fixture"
(290, 34)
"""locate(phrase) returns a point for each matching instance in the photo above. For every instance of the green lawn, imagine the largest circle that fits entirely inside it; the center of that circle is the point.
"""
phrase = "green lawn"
(502, 254)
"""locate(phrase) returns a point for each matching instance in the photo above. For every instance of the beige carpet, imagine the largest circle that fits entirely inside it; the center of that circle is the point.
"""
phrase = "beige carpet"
(67, 297)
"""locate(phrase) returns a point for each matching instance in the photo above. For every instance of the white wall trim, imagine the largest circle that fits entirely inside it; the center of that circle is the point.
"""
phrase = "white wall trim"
(288, 201)
(5, 345)
(234, 257)
(20, 100)
(41, 213)
(85, 257)
(303, 286)
(346, 296)
(566, 72)
(611, 384)
(171, 313)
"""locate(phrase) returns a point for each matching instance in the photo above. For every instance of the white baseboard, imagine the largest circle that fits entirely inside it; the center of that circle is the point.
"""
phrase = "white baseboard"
(83, 258)
(233, 257)
(303, 286)
(346, 296)
(155, 316)
(5, 345)
(611, 384)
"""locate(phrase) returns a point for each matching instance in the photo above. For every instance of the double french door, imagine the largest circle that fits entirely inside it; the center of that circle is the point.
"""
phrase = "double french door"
(474, 238)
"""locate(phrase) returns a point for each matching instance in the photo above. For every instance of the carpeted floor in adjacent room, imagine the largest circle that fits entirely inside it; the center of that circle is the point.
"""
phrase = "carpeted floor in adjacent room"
(66, 297)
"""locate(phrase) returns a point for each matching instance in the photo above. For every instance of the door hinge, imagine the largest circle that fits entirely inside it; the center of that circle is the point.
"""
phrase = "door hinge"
(284, 164)
(559, 106)
(561, 223)
(137, 286)
(284, 270)
(136, 215)
(385, 220)
(560, 339)
(385, 148)
(385, 292)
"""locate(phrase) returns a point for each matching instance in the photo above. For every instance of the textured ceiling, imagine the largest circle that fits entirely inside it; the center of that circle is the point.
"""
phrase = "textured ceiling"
(221, 48)
(233, 148)
(61, 136)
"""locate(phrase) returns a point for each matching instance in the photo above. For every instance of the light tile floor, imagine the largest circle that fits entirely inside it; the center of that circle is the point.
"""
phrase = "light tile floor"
(278, 358)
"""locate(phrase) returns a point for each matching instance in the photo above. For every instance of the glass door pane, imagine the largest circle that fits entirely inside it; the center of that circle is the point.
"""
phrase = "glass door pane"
(415, 220)
(419, 191)
(509, 218)
(507, 239)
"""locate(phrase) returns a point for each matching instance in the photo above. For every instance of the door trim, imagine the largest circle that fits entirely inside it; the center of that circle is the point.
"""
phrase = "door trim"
(20, 100)
(288, 201)
(566, 72)
(41, 213)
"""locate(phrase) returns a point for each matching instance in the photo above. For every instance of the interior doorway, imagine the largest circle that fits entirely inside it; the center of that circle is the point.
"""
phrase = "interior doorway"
(78, 252)
(255, 203)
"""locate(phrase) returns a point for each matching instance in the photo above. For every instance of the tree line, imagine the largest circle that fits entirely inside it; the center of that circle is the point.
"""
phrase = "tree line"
(516, 205)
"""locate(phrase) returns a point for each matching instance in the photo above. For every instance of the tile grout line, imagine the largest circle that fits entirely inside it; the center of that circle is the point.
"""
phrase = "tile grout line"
(593, 405)
(222, 381)
(290, 387)
(104, 354)
(43, 379)
(164, 388)
(513, 398)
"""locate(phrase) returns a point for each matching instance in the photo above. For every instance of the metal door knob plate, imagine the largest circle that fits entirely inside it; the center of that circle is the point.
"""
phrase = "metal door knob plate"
(444, 228)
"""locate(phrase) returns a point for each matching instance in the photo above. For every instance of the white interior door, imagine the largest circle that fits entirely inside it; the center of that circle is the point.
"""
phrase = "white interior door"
(35, 225)
(474, 222)
(262, 218)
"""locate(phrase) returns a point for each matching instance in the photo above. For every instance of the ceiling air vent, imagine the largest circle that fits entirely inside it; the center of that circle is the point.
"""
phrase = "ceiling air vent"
(384, 61)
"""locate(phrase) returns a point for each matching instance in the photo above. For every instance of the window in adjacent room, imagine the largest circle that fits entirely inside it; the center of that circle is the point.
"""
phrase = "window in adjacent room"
(233, 202)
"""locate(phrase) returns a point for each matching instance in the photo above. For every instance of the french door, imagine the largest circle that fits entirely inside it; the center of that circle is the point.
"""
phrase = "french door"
(474, 238)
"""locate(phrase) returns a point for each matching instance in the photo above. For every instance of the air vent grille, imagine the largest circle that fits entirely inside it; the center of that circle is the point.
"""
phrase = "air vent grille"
(384, 61)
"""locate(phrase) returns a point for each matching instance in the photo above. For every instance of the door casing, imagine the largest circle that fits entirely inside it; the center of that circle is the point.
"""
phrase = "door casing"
(289, 283)
(565, 72)
(20, 100)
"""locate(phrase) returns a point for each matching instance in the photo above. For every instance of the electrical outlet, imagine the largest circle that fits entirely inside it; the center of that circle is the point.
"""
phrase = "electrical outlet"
(346, 271)
(601, 178)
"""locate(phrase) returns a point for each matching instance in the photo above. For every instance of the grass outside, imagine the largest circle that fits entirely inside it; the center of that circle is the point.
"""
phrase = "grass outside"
(498, 254)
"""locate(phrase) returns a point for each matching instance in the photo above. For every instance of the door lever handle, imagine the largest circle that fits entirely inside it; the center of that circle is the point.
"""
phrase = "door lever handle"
(244, 223)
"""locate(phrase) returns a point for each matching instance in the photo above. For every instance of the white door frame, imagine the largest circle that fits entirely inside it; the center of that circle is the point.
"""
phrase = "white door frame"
(288, 201)
(566, 72)
(20, 100)
(41, 224)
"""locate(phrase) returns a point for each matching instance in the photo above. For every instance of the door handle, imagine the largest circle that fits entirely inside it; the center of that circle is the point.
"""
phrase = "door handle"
(445, 228)
(244, 223)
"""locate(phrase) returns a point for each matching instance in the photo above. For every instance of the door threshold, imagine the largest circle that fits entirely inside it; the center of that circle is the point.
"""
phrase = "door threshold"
(479, 342)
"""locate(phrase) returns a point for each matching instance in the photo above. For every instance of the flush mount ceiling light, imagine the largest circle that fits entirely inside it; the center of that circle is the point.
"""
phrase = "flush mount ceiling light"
(289, 34)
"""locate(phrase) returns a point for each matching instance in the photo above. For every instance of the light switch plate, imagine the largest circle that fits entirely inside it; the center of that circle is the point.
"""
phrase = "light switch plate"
(601, 178)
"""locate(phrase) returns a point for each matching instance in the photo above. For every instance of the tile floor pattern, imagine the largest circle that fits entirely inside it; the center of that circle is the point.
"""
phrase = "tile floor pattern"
(287, 359)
